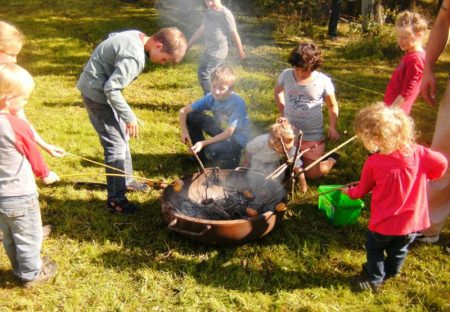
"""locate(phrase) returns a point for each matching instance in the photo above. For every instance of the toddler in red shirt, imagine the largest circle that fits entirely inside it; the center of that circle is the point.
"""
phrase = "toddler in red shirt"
(404, 85)
(396, 173)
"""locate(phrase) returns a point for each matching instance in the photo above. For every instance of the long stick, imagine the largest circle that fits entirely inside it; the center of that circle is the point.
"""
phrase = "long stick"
(150, 182)
(296, 156)
(96, 162)
(320, 194)
(197, 158)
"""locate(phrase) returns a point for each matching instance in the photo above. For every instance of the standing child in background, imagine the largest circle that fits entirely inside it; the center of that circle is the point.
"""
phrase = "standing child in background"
(265, 151)
(11, 42)
(300, 93)
(404, 85)
(113, 65)
(20, 216)
(229, 127)
(397, 176)
(217, 26)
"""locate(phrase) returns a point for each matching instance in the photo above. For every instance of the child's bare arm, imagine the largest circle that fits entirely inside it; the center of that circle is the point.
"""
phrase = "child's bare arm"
(198, 33)
(279, 98)
(238, 43)
(333, 113)
(185, 138)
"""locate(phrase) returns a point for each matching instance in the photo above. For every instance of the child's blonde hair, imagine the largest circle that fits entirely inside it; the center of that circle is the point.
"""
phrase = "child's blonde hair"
(281, 131)
(223, 76)
(410, 19)
(173, 41)
(383, 128)
(11, 38)
(14, 80)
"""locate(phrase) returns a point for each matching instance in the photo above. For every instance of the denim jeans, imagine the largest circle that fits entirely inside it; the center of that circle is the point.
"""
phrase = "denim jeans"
(380, 266)
(20, 221)
(111, 131)
(335, 9)
(207, 67)
(224, 154)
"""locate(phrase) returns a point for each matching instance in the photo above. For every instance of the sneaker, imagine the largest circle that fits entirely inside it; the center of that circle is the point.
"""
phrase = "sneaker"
(46, 231)
(48, 270)
(447, 248)
(365, 284)
(335, 156)
(121, 206)
(427, 239)
(136, 186)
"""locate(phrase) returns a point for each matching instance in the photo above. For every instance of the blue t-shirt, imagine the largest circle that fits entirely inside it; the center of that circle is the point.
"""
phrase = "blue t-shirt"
(230, 112)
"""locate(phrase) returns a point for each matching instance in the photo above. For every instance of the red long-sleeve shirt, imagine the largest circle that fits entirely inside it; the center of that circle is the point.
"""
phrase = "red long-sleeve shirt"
(398, 183)
(19, 158)
(406, 79)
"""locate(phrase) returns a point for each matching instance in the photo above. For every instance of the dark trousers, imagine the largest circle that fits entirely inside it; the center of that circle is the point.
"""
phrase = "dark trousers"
(385, 255)
(224, 154)
(335, 10)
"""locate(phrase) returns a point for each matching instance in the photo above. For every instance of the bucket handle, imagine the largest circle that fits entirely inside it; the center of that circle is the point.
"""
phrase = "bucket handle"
(172, 227)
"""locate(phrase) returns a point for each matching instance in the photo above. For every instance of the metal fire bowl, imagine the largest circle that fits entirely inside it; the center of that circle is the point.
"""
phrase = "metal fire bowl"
(224, 232)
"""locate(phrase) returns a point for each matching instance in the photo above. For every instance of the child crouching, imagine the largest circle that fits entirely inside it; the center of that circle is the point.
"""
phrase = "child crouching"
(20, 217)
(397, 175)
(265, 151)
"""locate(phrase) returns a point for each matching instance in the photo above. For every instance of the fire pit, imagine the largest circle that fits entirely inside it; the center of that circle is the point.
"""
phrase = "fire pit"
(223, 206)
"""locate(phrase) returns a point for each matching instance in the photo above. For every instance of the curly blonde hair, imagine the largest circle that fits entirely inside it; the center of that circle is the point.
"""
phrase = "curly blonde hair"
(281, 131)
(385, 129)
(410, 19)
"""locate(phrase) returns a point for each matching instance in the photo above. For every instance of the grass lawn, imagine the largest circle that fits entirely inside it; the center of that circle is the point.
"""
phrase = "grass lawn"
(133, 263)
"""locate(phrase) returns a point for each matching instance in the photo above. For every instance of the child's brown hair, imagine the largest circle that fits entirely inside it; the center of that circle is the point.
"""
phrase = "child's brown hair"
(223, 76)
(281, 133)
(410, 19)
(11, 38)
(385, 128)
(173, 41)
(307, 56)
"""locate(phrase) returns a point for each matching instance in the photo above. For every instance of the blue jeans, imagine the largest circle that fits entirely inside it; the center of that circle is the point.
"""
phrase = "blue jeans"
(207, 67)
(380, 266)
(20, 221)
(111, 131)
(224, 154)
(335, 10)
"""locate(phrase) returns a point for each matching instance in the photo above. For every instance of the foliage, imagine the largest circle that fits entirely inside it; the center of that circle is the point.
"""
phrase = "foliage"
(134, 263)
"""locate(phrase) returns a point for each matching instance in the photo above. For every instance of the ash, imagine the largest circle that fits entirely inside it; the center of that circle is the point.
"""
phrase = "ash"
(232, 206)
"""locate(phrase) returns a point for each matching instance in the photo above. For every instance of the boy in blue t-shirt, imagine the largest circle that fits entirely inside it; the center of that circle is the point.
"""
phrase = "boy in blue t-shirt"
(218, 25)
(229, 127)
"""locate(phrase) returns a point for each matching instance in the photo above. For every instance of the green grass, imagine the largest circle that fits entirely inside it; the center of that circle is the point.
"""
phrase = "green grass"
(133, 263)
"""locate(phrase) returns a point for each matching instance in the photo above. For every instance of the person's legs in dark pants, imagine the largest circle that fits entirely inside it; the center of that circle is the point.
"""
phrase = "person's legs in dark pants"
(335, 9)
(224, 154)
(114, 140)
(375, 247)
(197, 123)
(207, 66)
(396, 254)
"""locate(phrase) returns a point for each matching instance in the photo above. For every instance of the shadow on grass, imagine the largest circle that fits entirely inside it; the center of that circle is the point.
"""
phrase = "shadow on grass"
(304, 237)
(8, 280)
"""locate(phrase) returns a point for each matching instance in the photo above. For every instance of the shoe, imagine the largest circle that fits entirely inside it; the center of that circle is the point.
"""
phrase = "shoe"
(365, 284)
(136, 186)
(427, 239)
(335, 156)
(46, 231)
(447, 248)
(121, 206)
(332, 38)
(48, 270)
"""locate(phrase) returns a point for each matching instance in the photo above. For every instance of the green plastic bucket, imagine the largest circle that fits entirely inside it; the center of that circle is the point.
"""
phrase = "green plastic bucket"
(338, 207)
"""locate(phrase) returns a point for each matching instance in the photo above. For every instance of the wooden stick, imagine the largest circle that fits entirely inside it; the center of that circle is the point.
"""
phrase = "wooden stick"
(320, 194)
(198, 158)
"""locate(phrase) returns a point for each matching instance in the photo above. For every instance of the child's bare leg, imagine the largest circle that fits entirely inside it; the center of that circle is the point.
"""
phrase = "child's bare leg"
(302, 182)
(320, 169)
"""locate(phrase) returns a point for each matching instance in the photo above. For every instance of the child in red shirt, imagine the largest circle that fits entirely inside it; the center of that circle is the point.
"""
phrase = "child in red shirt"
(404, 85)
(397, 175)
